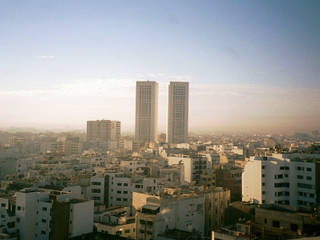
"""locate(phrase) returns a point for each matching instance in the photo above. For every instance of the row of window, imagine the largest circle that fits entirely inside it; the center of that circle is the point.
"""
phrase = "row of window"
(305, 185)
(305, 203)
(281, 185)
(302, 177)
(304, 194)
(299, 168)
(280, 194)
(302, 169)
(120, 184)
(119, 199)
(281, 176)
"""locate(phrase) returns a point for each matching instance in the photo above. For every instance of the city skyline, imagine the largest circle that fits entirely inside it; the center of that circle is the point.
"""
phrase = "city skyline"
(251, 66)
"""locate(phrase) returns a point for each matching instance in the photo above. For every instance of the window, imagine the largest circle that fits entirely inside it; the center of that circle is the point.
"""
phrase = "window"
(309, 178)
(304, 185)
(263, 167)
(96, 183)
(125, 199)
(275, 224)
(300, 177)
(127, 231)
(125, 192)
(263, 175)
(118, 199)
(43, 232)
(279, 185)
(119, 192)
(95, 190)
(44, 220)
(119, 184)
(125, 184)
(263, 184)
(265, 221)
(284, 168)
(3, 205)
(11, 224)
(263, 192)
(44, 209)
(309, 169)
(19, 208)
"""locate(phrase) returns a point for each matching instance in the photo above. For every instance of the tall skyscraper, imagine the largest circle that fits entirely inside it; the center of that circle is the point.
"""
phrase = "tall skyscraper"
(104, 131)
(146, 111)
(178, 111)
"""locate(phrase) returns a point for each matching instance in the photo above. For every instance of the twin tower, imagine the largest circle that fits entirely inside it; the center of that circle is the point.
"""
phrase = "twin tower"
(147, 112)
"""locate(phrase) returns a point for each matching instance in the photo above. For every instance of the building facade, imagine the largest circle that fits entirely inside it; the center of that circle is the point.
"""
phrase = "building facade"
(280, 180)
(178, 110)
(146, 111)
(105, 131)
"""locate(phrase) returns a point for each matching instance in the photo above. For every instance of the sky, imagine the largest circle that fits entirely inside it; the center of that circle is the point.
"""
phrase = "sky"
(252, 65)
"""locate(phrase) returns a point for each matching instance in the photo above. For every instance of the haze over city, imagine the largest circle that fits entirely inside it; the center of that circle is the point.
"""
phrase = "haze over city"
(251, 66)
(159, 120)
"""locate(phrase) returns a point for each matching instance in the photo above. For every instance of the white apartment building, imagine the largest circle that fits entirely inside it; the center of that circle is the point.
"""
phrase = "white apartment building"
(146, 125)
(155, 214)
(121, 187)
(49, 214)
(194, 166)
(115, 189)
(98, 186)
(281, 180)
(178, 111)
(8, 221)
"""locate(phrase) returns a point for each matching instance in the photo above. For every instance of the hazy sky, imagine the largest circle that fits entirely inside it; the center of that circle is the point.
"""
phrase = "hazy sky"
(251, 64)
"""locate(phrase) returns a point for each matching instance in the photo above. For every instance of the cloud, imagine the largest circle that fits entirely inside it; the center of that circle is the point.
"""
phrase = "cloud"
(46, 57)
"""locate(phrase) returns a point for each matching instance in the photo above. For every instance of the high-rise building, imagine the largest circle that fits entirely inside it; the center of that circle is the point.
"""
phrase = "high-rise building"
(104, 131)
(146, 111)
(178, 111)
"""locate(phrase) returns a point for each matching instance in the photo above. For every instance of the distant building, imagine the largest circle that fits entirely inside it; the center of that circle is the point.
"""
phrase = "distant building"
(105, 131)
(146, 111)
(178, 111)
(281, 179)
(72, 145)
